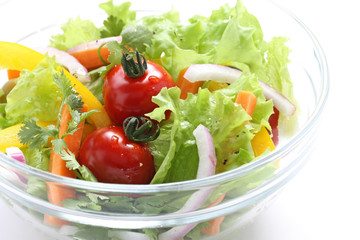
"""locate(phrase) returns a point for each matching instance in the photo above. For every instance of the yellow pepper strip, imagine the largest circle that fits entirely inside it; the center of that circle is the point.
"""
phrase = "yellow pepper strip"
(18, 57)
(9, 136)
(100, 119)
(213, 86)
(261, 142)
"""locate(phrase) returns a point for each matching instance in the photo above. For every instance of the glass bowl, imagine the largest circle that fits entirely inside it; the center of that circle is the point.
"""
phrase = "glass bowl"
(126, 211)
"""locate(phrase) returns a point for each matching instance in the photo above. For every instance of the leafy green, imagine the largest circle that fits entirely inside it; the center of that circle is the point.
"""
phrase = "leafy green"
(36, 137)
(75, 32)
(121, 12)
(112, 27)
(34, 95)
(137, 37)
(175, 151)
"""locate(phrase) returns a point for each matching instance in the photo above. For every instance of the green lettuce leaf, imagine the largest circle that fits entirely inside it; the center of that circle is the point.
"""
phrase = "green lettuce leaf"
(175, 151)
(75, 32)
(35, 95)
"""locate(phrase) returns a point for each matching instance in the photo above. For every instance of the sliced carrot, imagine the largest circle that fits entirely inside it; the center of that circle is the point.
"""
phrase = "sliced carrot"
(13, 73)
(57, 193)
(90, 59)
(186, 86)
(247, 100)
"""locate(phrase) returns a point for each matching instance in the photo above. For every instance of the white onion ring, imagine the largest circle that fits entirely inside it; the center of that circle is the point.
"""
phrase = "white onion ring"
(221, 73)
(71, 63)
(93, 45)
(207, 164)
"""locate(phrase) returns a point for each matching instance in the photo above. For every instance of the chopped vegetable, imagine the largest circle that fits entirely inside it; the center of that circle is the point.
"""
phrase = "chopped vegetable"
(262, 142)
(247, 100)
(13, 74)
(88, 53)
(186, 86)
(69, 62)
(16, 153)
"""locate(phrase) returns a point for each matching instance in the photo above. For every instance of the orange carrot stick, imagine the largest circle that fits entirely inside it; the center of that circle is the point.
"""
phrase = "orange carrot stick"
(247, 100)
(214, 227)
(13, 74)
(186, 86)
(57, 193)
(90, 59)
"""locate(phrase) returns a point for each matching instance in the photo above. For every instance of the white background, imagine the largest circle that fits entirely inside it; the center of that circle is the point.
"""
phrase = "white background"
(322, 202)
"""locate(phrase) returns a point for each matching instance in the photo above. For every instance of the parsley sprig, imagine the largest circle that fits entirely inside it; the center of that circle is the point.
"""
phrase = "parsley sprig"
(36, 137)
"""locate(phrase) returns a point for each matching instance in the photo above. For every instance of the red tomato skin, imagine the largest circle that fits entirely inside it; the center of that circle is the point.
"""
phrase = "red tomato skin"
(112, 158)
(125, 96)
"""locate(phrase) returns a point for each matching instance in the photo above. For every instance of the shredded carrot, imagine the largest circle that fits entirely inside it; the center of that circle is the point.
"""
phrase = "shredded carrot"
(57, 193)
(90, 58)
(186, 86)
(247, 100)
(13, 74)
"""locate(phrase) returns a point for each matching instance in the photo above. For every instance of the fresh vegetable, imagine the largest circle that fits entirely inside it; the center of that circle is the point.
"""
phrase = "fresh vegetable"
(69, 62)
(247, 100)
(20, 57)
(13, 74)
(220, 73)
(262, 142)
(128, 88)
(16, 153)
(57, 194)
(112, 158)
(186, 86)
(88, 53)
(9, 136)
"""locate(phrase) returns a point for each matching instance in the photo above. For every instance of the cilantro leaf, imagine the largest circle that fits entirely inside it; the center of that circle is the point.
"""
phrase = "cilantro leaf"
(71, 97)
(113, 27)
(36, 136)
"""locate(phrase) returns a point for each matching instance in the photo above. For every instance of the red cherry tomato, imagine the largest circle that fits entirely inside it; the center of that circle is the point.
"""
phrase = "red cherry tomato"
(112, 158)
(125, 96)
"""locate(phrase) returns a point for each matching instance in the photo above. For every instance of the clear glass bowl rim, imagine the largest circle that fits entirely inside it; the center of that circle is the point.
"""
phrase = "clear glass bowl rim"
(198, 183)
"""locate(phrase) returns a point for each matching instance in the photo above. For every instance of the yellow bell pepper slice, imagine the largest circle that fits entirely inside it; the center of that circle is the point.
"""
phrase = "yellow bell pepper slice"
(261, 142)
(9, 136)
(18, 57)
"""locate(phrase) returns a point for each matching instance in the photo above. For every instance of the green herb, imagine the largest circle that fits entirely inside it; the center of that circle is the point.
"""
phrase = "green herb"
(112, 27)
(36, 137)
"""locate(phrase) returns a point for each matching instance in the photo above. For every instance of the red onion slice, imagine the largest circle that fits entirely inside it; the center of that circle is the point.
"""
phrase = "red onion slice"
(71, 63)
(93, 45)
(221, 73)
(207, 164)
(16, 154)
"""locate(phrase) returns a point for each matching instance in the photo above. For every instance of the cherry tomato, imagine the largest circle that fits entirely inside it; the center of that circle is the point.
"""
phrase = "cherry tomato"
(112, 158)
(125, 96)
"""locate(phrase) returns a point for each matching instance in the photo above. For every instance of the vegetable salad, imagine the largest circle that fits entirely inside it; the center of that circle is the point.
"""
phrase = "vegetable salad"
(145, 101)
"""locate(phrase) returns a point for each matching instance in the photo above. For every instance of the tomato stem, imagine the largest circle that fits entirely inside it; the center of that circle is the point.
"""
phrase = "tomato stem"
(140, 129)
(132, 68)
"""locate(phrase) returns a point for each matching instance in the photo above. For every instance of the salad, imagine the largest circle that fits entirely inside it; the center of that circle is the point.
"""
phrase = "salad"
(145, 101)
